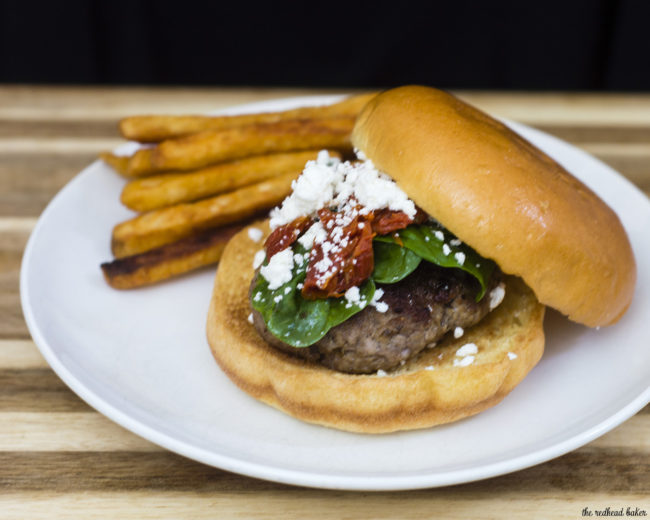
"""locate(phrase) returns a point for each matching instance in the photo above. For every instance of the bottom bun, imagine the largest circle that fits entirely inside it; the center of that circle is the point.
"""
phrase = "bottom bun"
(428, 390)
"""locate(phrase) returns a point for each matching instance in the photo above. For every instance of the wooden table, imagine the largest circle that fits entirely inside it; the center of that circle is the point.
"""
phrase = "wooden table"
(61, 459)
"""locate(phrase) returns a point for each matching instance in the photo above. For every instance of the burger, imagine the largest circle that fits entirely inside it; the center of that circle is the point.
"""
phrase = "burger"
(407, 288)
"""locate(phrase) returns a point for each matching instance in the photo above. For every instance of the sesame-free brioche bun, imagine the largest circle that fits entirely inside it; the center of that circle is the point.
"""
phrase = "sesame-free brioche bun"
(428, 390)
(504, 197)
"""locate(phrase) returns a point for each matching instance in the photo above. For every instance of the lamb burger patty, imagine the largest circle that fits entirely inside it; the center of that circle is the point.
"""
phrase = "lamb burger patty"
(422, 308)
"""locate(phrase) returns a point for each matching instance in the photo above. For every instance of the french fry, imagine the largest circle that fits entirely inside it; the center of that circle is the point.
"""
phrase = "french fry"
(135, 165)
(199, 150)
(167, 225)
(169, 260)
(119, 163)
(155, 128)
(159, 191)
(140, 163)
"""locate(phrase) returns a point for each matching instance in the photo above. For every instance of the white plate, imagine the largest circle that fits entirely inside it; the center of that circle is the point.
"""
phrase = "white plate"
(141, 358)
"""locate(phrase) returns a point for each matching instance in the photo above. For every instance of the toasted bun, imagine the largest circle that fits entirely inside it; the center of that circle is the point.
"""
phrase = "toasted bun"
(412, 397)
(505, 198)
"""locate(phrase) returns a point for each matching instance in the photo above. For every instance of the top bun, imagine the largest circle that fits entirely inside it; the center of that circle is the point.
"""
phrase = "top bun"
(501, 195)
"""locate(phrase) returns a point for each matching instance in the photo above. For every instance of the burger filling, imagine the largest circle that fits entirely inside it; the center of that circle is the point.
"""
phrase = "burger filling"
(355, 276)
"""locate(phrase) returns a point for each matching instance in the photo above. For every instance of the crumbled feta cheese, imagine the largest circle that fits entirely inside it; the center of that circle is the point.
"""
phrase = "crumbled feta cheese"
(257, 296)
(458, 332)
(374, 302)
(259, 258)
(372, 189)
(381, 373)
(255, 234)
(278, 271)
(512, 355)
(460, 258)
(464, 361)
(311, 191)
(496, 296)
(439, 235)
(381, 307)
(455, 242)
(446, 249)
(467, 349)
(250, 318)
(323, 265)
(352, 295)
(329, 182)
(315, 233)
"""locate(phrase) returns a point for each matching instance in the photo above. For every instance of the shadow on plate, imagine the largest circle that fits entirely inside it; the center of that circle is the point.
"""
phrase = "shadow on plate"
(560, 332)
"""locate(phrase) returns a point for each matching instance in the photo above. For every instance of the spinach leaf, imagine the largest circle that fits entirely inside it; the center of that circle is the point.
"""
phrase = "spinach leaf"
(297, 321)
(439, 246)
(393, 262)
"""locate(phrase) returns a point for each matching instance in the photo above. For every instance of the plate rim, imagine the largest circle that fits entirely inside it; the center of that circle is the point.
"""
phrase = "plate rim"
(335, 481)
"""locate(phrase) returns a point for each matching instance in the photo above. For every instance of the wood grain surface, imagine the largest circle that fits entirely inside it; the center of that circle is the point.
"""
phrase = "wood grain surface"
(61, 459)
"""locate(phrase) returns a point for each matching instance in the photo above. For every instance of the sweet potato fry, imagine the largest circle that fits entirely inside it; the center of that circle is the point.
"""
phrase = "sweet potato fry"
(140, 163)
(199, 150)
(119, 163)
(135, 165)
(155, 128)
(159, 191)
(167, 225)
(169, 260)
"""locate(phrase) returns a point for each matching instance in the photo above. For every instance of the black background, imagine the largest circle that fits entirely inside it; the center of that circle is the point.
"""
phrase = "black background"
(540, 45)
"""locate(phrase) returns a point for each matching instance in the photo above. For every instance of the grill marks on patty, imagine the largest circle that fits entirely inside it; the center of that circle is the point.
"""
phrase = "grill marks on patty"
(422, 308)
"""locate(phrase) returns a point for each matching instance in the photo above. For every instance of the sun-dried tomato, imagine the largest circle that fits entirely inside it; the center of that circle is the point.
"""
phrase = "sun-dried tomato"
(386, 221)
(343, 260)
(345, 257)
(284, 236)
